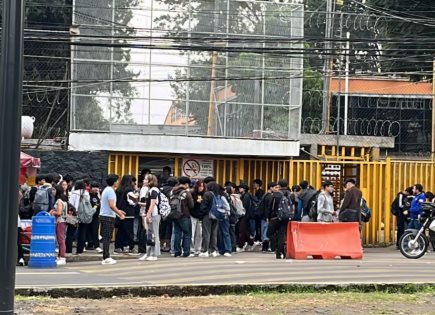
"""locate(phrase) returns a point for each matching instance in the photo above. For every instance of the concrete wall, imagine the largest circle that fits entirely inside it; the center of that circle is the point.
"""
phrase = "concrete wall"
(77, 164)
(182, 145)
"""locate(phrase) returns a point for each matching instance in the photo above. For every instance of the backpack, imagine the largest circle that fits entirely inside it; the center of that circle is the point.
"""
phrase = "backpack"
(163, 205)
(238, 205)
(312, 212)
(42, 200)
(175, 211)
(254, 210)
(366, 212)
(395, 206)
(85, 211)
(284, 209)
(217, 211)
(259, 211)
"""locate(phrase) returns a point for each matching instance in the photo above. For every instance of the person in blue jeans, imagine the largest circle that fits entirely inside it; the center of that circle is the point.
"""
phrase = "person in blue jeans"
(416, 209)
(183, 225)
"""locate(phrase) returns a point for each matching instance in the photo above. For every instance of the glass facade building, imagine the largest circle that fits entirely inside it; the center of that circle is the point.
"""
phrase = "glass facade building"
(216, 68)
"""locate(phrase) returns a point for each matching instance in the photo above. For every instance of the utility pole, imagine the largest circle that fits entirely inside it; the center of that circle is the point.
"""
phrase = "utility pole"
(340, 65)
(327, 66)
(11, 82)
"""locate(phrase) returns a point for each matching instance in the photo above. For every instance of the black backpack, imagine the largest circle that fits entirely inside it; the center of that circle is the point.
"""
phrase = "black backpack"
(312, 206)
(395, 206)
(253, 207)
(285, 212)
(261, 208)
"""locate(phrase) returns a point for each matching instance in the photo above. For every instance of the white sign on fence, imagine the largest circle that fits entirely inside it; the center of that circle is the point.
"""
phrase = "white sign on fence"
(197, 168)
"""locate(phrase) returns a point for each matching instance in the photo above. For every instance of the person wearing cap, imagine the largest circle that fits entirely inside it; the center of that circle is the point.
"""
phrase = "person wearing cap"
(350, 210)
(183, 225)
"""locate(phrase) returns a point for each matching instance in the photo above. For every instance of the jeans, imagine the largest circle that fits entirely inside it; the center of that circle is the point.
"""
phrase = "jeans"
(195, 246)
(224, 231)
(209, 235)
(252, 228)
(264, 226)
(233, 237)
(182, 230)
(414, 224)
(60, 236)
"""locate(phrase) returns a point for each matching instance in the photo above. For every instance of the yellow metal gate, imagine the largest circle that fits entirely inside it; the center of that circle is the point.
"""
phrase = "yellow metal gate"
(379, 181)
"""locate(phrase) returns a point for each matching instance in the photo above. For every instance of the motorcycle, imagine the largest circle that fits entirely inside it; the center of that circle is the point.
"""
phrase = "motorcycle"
(414, 243)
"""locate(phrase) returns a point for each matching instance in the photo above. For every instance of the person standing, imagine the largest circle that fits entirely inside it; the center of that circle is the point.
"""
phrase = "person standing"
(166, 226)
(126, 201)
(306, 195)
(415, 210)
(197, 217)
(75, 198)
(108, 213)
(246, 225)
(60, 212)
(400, 208)
(152, 219)
(325, 204)
(209, 225)
(183, 225)
(276, 228)
(350, 209)
(93, 231)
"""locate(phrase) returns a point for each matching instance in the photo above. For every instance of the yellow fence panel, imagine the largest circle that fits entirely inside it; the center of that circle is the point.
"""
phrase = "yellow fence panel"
(379, 181)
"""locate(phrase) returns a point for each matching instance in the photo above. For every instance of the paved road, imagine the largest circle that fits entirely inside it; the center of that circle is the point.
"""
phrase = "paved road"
(378, 266)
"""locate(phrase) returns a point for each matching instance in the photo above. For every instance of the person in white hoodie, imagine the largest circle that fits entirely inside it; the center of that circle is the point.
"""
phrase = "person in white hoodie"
(77, 193)
(325, 204)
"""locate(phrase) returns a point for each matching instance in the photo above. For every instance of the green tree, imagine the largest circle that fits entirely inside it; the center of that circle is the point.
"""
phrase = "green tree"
(409, 28)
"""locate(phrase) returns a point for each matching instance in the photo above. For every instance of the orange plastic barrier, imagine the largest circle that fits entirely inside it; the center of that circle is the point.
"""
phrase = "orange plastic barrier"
(323, 240)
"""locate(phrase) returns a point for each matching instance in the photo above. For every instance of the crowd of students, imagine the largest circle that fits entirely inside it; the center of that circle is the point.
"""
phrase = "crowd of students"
(186, 217)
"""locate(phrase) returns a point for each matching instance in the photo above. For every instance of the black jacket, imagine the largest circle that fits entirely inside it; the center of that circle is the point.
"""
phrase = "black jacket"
(207, 203)
(196, 212)
(274, 200)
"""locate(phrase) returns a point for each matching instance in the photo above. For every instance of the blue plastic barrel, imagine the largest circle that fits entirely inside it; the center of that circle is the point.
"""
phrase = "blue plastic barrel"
(43, 241)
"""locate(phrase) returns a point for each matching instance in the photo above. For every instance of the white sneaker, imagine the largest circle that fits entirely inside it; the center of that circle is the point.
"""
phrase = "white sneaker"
(239, 250)
(151, 258)
(192, 255)
(61, 261)
(21, 262)
(108, 261)
(250, 248)
(98, 250)
(214, 254)
(228, 255)
(143, 258)
(205, 254)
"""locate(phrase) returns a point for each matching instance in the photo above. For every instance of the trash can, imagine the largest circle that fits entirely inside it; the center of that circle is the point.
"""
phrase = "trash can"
(43, 241)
